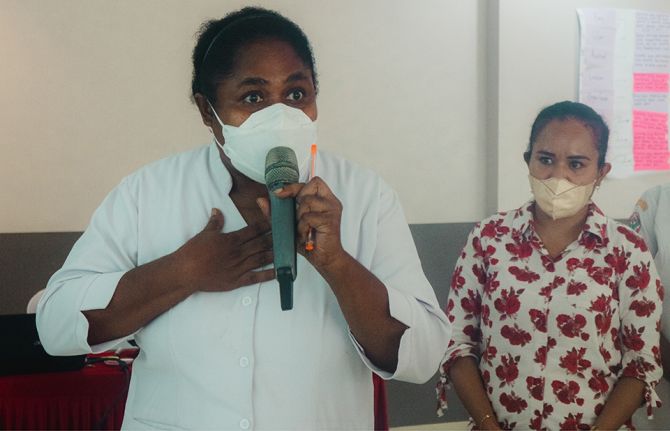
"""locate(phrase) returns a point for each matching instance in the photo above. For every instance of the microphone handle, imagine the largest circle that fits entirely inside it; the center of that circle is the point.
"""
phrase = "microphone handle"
(284, 247)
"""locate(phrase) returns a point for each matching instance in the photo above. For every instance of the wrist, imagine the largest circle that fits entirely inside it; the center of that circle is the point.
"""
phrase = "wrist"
(488, 421)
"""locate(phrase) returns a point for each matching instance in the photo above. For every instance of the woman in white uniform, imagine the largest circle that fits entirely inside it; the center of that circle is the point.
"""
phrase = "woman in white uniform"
(178, 256)
(651, 219)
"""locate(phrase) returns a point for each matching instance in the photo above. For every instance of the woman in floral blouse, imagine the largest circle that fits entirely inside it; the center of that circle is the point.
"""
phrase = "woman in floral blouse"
(555, 308)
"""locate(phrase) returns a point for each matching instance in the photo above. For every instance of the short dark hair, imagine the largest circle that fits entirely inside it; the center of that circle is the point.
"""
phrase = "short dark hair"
(571, 110)
(219, 41)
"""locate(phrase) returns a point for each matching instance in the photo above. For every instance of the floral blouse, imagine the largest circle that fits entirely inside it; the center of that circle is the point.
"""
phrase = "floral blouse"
(552, 336)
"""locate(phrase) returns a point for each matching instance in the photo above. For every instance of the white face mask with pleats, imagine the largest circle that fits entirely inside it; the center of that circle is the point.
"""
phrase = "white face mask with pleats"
(277, 125)
(559, 198)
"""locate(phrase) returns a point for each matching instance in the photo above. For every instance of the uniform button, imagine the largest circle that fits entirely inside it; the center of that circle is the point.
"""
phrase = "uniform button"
(244, 424)
(246, 301)
(244, 361)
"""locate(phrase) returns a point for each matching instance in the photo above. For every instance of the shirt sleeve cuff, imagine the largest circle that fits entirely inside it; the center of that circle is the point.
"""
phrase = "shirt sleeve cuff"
(97, 296)
(417, 316)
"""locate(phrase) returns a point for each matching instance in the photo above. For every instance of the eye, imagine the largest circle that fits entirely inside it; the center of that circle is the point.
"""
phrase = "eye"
(253, 98)
(296, 95)
(576, 164)
(545, 160)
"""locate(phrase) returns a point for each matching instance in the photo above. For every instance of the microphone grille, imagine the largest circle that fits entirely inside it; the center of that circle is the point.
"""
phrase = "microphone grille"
(281, 167)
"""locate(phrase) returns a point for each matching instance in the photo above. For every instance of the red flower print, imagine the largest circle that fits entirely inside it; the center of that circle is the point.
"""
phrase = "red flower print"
(491, 284)
(450, 308)
(541, 353)
(489, 353)
(589, 241)
(600, 304)
(659, 289)
(494, 229)
(513, 403)
(572, 326)
(541, 356)
(604, 321)
(574, 263)
(535, 387)
(598, 383)
(480, 273)
(473, 332)
(486, 316)
(632, 337)
(574, 363)
(536, 423)
(508, 303)
(485, 255)
(486, 378)
(573, 423)
(600, 274)
(566, 392)
(508, 371)
(633, 238)
(548, 289)
(539, 319)
(472, 304)
(515, 335)
(640, 279)
(617, 260)
(638, 369)
(657, 354)
(576, 288)
(643, 308)
(457, 280)
(519, 250)
(523, 274)
(547, 263)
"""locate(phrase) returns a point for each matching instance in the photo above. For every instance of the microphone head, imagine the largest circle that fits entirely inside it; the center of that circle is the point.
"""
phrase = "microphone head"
(281, 167)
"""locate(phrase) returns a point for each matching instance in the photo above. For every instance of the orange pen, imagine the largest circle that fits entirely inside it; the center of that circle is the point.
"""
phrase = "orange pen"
(309, 245)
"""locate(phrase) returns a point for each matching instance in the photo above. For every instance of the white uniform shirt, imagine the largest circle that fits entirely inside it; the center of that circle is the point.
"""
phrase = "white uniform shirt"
(235, 360)
(651, 218)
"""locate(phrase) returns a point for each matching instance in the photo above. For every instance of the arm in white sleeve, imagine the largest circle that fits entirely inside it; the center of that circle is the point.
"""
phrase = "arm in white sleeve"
(412, 300)
(89, 276)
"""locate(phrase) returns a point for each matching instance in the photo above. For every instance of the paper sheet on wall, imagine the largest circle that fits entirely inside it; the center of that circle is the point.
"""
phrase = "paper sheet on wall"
(624, 74)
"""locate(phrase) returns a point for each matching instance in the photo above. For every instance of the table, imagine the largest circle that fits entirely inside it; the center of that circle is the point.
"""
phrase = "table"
(65, 400)
(91, 398)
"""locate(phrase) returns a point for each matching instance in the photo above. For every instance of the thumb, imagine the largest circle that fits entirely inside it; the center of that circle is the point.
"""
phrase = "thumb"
(215, 222)
(264, 205)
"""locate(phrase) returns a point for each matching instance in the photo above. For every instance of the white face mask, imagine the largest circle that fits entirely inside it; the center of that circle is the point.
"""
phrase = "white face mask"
(277, 125)
(560, 198)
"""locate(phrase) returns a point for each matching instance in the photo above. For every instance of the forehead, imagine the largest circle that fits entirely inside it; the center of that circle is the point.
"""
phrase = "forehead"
(269, 59)
(568, 136)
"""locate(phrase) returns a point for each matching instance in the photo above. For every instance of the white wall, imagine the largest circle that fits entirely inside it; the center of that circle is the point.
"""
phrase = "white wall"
(436, 95)
(539, 65)
(93, 89)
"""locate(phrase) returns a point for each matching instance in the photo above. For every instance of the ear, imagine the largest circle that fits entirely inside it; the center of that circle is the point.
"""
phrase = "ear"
(603, 171)
(205, 110)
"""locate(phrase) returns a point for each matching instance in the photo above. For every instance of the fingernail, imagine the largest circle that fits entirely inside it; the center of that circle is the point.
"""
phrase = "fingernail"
(213, 212)
(279, 190)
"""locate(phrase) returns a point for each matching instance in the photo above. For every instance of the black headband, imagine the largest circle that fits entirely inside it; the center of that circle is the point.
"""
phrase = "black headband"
(226, 27)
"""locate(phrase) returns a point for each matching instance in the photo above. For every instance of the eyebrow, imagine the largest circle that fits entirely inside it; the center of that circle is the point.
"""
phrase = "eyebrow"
(258, 81)
(576, 157)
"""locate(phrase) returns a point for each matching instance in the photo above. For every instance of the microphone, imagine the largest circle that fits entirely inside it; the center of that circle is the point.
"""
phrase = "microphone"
(281, 168)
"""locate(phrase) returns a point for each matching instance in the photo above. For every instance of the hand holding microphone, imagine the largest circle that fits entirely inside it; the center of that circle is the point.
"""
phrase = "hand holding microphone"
(317, 218)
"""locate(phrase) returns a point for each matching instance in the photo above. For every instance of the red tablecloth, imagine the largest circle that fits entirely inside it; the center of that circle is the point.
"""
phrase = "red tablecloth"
(64, 400)
(80, 399)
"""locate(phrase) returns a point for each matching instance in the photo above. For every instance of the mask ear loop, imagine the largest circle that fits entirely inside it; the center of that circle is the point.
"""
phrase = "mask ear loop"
(211, 130)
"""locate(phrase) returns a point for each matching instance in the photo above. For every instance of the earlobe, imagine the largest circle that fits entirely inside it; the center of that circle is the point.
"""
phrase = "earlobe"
(204, 109)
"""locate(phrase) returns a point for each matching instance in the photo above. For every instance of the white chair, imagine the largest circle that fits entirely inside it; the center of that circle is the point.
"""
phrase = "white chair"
(32, 304)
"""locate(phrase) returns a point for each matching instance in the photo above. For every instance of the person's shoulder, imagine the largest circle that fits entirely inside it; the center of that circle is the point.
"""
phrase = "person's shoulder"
(344, 173)
(171, 166)
(503, 223)
(622, 235)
